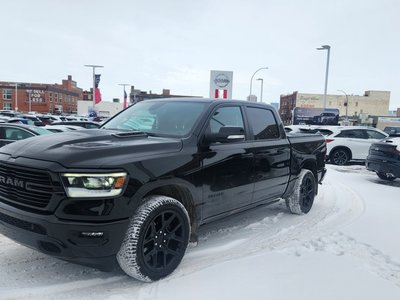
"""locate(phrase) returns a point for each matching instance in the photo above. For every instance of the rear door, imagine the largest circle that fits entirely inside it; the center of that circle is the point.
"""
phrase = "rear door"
(356, 140)
(271, 151)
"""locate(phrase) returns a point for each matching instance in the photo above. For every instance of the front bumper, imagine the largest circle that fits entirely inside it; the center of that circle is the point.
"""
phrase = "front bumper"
(65, 239)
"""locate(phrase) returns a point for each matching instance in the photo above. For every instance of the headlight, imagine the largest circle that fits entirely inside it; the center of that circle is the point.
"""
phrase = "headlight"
(83, 185)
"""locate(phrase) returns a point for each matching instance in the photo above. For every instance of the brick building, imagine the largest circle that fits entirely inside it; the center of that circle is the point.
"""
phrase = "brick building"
(40, 97)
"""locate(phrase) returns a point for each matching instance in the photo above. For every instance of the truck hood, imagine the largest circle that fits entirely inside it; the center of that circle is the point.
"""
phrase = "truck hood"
(92, 148)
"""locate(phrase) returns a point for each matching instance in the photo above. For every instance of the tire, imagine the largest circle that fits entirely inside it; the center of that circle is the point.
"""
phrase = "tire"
(302, 198)
(340, 157)
(385, 177)
(156, 239)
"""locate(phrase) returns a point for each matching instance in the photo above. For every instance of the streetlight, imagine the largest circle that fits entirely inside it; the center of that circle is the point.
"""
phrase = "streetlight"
(94, 81)
(262, 85)
(347, 102)
(124, 85)
(326, 47)
(251, 80)
(16, 96)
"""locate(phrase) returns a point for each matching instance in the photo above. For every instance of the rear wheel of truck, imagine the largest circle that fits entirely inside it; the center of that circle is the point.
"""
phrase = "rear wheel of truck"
(302, 198)
(156, 239)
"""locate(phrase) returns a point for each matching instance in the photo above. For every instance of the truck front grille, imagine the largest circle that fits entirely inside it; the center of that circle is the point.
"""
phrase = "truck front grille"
(24, 186)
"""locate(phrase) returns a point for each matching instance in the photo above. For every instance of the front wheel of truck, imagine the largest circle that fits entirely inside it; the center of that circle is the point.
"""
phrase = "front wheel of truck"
(156, 239)
(302, 197)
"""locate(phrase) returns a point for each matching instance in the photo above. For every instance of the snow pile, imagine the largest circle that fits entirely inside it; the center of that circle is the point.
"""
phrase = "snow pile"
(346, 247)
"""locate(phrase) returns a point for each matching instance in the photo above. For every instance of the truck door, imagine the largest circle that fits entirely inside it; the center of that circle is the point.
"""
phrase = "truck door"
(227, 167)
(271, 154)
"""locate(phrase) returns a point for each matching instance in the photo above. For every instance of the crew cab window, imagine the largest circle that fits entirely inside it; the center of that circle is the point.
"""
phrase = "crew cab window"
(225, 116)
(263, 123)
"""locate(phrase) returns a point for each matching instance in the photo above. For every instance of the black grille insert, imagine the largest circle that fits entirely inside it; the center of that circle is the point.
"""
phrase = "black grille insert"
(23, 186)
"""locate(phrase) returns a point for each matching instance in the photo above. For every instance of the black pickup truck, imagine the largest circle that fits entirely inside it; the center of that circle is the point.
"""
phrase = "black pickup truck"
(136, 190)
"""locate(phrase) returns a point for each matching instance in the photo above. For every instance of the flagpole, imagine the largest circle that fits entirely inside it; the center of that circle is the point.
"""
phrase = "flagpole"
(124, 85)
(94, 82)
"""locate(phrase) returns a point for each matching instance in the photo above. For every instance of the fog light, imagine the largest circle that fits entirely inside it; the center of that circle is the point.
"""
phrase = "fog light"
(92, 234)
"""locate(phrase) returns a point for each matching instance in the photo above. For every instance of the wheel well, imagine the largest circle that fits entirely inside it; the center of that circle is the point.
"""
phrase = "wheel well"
(184, 196)
(312, 166)
(342, 148)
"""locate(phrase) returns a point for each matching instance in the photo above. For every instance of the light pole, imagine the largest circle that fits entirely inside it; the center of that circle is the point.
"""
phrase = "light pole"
(124, 85)
(326, 47)
(94, 81)
(251, 80)
(16, 96)
(347, 102)
(30, 100)
(262, 85)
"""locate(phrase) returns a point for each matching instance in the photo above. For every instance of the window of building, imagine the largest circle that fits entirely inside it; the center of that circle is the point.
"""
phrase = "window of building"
(7, 105)
(263, 123)
(7, 94)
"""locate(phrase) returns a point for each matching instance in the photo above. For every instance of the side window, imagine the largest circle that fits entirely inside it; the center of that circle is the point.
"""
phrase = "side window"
(16, 134)
(355, 134)
(225, 116)
(263, 123)
(372, 134)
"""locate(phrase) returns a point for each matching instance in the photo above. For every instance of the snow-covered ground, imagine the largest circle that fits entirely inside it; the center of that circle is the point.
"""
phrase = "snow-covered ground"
(347, 247)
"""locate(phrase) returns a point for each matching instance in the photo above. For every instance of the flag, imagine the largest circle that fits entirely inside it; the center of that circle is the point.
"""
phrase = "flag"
(97, 80)
(97, 94)
(125, 98)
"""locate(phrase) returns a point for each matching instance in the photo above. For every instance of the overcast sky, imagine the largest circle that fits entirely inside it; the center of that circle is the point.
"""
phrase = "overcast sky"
(174, 44)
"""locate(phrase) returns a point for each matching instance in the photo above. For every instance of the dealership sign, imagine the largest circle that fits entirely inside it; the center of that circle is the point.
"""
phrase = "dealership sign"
(221, 84)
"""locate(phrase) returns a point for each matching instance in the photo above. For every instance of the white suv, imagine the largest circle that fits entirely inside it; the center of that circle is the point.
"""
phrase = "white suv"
(345, 143)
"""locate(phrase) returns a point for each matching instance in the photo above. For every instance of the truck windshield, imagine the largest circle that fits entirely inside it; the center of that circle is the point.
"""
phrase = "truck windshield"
(169, 118)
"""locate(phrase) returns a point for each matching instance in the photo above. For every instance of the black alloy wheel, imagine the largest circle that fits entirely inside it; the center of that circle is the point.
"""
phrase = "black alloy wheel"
(301, 199)
(156, 239)
(163, 241)
(340, 157)
(307, 193)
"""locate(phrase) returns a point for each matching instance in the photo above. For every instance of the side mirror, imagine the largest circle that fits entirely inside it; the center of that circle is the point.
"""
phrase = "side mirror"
(227, 134)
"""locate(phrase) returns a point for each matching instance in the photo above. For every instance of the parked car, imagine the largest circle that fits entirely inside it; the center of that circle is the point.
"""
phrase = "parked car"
(10, 133)
(345, 143)
(32, 120)
(136, 194)
(393, 131)
(84, 124)
(384, 158)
